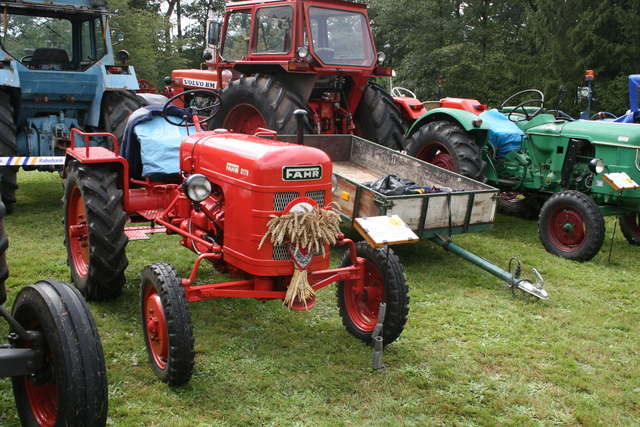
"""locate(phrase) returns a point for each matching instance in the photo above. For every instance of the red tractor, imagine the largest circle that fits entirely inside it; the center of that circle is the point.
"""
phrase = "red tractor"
(277, 56)
(223, 193)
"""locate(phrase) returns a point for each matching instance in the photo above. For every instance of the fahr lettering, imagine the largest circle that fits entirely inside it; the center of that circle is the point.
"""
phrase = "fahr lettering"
(302, 173)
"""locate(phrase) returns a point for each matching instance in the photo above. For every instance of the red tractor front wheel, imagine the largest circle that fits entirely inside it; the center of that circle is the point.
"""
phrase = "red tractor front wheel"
(383, 282)
(166, 324)
(571, 226)
(630, 226)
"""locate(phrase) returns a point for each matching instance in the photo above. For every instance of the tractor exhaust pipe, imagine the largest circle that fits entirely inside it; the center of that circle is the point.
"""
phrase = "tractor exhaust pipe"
(300, 117)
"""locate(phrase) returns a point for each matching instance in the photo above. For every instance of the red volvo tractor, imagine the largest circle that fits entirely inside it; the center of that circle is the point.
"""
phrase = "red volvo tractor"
(221, 192)
(275, 56)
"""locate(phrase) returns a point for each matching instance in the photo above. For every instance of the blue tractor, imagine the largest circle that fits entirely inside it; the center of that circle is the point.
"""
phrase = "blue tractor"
(58, 72)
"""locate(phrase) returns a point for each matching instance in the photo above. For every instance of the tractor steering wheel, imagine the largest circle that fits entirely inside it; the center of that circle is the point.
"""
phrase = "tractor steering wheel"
(521, 106)
(398, 92)
(198, 101)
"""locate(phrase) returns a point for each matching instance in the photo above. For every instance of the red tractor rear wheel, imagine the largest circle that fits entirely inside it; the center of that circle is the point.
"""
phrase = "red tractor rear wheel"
(166, 324)
(378, 119)
(571, 226)
(384, 282)
(450, 147)
(94, 230)
(258, 101)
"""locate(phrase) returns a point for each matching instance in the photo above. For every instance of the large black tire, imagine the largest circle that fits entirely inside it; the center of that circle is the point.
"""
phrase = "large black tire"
(571, 226)
(259, 101)
(71, 389)
(384, 282)
(630, 226)
(378, 119)
(450, 147)
(94, 230)
(4, 244)
(117, 106)
(8, 148)
(521, 205)
(166, 324)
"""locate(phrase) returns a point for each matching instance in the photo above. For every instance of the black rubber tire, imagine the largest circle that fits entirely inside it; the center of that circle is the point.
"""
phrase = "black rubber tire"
(117, 106)
(378, 119)
(4, 245)
(571, 226)
(75, 360)
(270, 101)
(172, 357)
(360, 319)
(465, 155)
(98, 262)
(8, 148)
(521, 205)
(630, 227)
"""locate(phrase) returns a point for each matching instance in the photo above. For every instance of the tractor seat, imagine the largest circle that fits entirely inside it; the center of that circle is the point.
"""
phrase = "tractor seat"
(325, 54)
(151, 145)
(50, 59)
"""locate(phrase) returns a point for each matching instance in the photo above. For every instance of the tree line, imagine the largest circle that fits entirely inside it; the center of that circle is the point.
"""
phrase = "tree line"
(480, 49)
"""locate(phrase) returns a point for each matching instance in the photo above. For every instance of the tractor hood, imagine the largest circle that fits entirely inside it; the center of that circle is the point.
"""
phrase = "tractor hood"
(250, 161)
(596, 131)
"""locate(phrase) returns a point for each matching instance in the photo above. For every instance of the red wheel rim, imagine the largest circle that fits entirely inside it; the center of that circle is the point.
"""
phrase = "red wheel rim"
(566, 228)
(244, 118)
(43, 399)
(632, 223)
(363, 307)
(437, 154)
(78, 239)
(156, 327)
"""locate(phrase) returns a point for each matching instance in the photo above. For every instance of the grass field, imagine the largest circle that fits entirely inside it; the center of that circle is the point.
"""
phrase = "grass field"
(471, 354)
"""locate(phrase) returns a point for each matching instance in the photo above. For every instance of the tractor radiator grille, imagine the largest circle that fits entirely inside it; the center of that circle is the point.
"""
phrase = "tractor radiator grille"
(281, 200)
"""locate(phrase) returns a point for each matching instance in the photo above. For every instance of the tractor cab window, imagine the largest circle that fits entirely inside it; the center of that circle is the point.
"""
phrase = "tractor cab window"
(47, 42)
(273, 30)
(237, 36)
(92, 46)
(340, 37)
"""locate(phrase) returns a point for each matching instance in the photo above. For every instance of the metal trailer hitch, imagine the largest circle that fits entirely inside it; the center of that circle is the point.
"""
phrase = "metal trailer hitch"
(526, 287)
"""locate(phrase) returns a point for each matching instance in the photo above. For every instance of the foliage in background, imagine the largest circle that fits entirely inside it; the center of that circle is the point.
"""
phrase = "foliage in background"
(486, 50)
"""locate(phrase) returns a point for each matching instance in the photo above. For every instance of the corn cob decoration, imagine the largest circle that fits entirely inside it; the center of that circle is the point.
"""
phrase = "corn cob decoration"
(304, 233)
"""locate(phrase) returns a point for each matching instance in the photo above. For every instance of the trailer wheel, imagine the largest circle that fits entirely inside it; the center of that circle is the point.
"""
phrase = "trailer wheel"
(521, 205)
(8, 148)
(378, 119)
(166, 324)
(450, 147)
(117, 106)
(571, 226)
(249, 103)
(94, 230)
(630, 226)
(71, 389)
(384, 282)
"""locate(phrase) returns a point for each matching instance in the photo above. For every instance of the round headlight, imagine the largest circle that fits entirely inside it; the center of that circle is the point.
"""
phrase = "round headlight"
(197, 188)
(381, 57)
(596, 165)
(303, 52)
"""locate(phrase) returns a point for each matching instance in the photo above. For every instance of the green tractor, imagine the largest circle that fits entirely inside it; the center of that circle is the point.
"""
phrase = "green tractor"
(567, 173)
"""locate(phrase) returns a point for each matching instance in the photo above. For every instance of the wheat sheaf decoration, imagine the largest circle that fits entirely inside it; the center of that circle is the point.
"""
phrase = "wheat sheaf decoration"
(304, 233)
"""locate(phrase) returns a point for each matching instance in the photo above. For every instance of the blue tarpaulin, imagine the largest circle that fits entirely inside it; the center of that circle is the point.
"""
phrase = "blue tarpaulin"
(504, 135)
